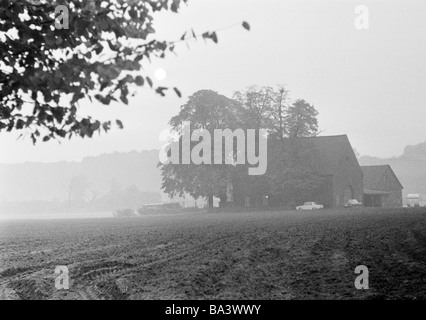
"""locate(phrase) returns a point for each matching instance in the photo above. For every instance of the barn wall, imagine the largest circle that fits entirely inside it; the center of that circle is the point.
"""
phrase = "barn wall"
(348, 176)
(373, 200)
(389, 184)
(332, 157)
(323, 195)
(394, 199)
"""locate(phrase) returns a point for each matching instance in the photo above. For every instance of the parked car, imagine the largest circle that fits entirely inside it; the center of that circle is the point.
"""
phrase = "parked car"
(310, 206)
(353, 203)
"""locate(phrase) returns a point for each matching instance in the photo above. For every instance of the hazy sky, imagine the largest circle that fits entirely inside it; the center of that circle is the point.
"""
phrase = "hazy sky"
(369, 84)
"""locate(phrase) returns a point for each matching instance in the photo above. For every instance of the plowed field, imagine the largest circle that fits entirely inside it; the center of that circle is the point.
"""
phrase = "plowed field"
(250, 255)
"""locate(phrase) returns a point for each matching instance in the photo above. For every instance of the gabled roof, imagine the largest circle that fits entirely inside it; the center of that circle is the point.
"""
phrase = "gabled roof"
(373, 175)
(326, 153)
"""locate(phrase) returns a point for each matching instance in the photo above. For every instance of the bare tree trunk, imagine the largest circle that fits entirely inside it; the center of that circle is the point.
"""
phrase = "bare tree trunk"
(210, 201)
(280, 114)
(222, 203)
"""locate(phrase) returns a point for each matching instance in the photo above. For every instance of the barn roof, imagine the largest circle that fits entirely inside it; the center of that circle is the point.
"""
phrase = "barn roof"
(326, 153)
(374, 174)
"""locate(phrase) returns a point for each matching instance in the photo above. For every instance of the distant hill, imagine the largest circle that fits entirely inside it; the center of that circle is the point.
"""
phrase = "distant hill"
(50, 181)
(410, 167)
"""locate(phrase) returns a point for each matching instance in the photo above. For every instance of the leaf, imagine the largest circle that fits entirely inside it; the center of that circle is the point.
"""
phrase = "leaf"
(148, 79)
(99, 97)
(58, 114)
(99, 48)
(210, 35)
(246, 25)
(112, 46)
(139, 81)
(105, 126)
(160, 91)
(76, 97)
(119, 124)
(133, 13)
(96, 125)
(179, 94)
(124, 99)
(213, 36)
(175, 5)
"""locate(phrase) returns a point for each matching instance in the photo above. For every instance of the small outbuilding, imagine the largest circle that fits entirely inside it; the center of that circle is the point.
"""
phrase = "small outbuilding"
(381, 187)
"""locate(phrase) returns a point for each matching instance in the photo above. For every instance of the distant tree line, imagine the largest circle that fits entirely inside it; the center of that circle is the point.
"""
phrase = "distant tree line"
(80, 196)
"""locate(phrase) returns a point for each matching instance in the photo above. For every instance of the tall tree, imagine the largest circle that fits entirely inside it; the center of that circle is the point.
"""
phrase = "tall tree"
(301, 119)
(257, 105)
(279, 109)
(264, 108)
(294, 173)
(206, 110)
(290, 169)
(52, 59)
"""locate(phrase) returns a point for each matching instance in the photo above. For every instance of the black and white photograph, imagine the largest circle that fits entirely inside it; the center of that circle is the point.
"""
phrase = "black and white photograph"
(212, 154)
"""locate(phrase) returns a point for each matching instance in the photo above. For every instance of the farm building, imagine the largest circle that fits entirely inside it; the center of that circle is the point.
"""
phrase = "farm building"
(381, 187)
(321, 169)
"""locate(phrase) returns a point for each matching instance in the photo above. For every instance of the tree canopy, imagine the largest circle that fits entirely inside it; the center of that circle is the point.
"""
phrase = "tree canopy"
(301, 119)
(45, 70)
(207, 110)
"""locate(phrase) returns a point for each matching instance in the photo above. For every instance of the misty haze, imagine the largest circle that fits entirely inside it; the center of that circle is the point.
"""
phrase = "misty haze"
(205, 150)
